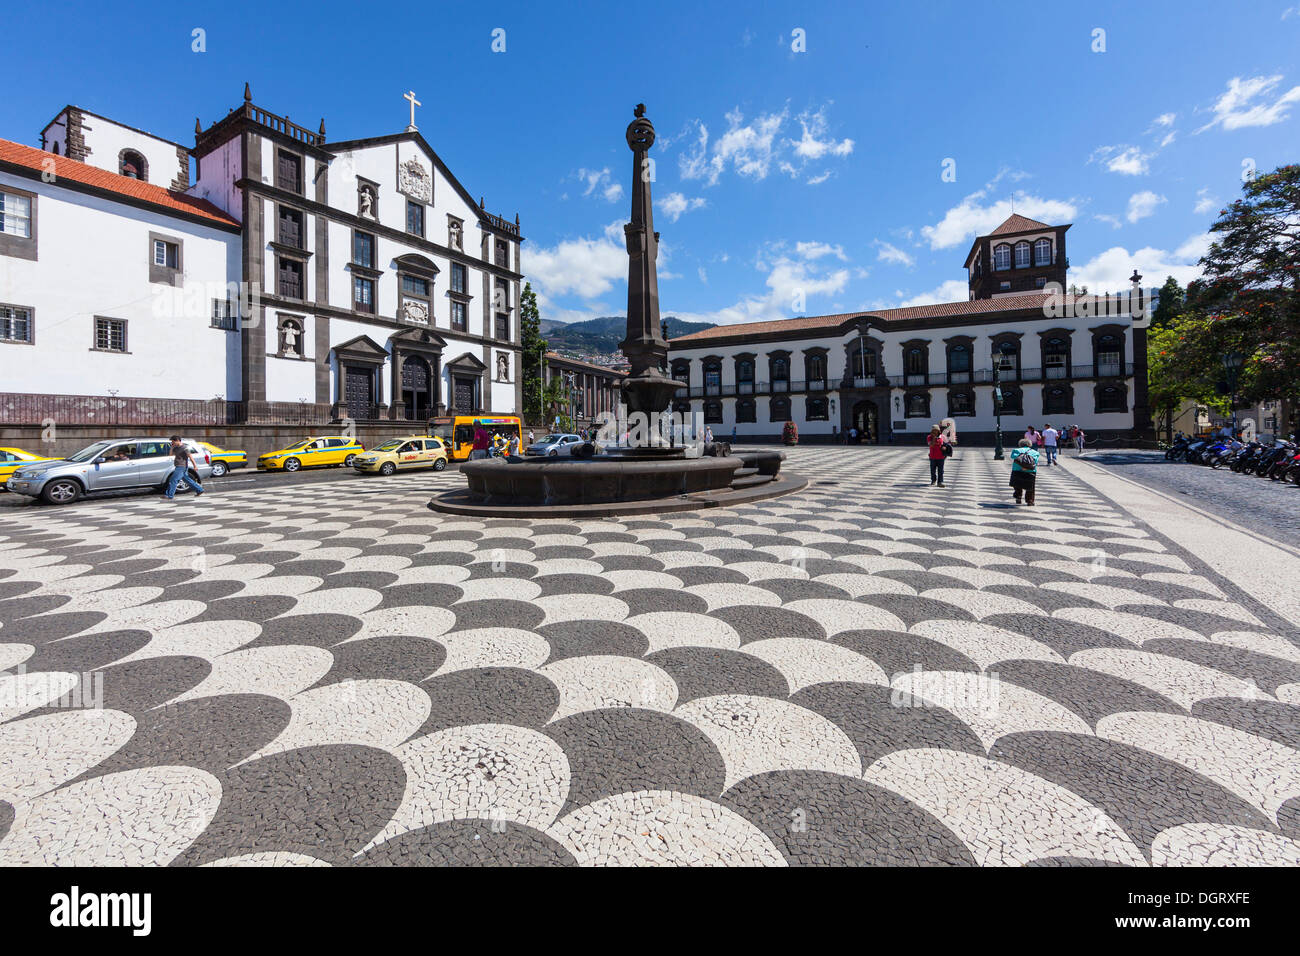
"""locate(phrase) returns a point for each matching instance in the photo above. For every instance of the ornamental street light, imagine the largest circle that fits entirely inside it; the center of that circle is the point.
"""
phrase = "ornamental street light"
(998, 454)
(1232, 363)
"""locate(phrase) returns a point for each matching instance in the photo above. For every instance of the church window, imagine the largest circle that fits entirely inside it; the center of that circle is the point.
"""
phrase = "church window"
(15, 324)
(458, 278)
(165, 253)
(414, 218)
(458, 316)
(502, 254)
(110, 335)
(363, 249)
(414, 285)
(289, 278)
(289, 172)
(503, 326)
(132, 165)
(224, 315)
(363, 294)
(290, 231)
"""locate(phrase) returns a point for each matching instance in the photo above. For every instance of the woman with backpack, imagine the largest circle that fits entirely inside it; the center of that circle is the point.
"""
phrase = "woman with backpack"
(940, 449)
(1024, 471)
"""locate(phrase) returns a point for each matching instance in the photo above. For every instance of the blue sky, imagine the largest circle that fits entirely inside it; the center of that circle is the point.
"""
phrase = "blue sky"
(780, 174)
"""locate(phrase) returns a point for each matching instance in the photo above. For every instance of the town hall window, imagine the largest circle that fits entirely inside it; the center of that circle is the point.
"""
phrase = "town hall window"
(1002, 257)
(1043, 252)
(713, 413)
(918, 405)
(817, 410)
(745, 375)
(1112, 398)
(1109, 350)
(745, 410)
(1022, 255)
(1056, 358)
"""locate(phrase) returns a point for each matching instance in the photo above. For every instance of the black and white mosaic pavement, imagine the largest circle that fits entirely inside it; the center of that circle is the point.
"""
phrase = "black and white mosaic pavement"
(873, 671)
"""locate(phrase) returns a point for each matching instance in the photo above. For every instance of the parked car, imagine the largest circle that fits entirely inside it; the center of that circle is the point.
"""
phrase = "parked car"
(111, 465)
(224, 459)
(554, 445)
(11, 459)
(403, 454)
(312, 453)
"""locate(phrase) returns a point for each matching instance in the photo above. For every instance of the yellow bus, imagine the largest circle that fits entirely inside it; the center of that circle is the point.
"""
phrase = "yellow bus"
(457, 431)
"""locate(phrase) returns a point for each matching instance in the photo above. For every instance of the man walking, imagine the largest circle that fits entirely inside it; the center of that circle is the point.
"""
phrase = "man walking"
(182, 461)
(482, 441)
(1050, 437)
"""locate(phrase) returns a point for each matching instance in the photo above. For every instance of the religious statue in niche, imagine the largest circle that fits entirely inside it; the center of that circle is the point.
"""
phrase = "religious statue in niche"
(413, 180)
(503, 367)
(366, 202)
(290, 333)
(454, 238)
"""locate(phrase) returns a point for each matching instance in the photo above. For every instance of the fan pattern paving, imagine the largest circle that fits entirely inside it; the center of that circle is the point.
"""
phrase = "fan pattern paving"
(871, 671)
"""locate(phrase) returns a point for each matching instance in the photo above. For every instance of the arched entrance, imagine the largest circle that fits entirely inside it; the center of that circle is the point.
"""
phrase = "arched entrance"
(416, 388)
(865, 417)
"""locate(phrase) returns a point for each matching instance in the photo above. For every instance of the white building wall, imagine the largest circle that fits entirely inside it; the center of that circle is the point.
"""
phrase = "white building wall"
(93, 260)
(216, 177)
(105, 139)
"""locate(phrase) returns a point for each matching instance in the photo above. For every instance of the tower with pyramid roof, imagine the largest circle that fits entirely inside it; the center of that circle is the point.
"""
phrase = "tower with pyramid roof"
(1021, 255)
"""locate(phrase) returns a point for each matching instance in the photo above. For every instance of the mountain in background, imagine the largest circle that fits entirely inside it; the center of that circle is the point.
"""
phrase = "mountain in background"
(602, 335)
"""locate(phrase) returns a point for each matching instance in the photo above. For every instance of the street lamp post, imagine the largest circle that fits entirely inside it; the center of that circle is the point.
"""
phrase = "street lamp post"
(998, 454)
(1232, 363)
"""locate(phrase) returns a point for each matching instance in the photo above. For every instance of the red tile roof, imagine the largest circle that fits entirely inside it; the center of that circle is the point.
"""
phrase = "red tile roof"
(818, 323)
(71, 170)
(1018, 223)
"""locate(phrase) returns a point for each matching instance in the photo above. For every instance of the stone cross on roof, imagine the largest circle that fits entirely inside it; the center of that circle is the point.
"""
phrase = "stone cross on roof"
(410, 96)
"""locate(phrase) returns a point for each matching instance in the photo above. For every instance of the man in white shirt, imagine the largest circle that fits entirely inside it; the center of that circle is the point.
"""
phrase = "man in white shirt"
(1050, 435)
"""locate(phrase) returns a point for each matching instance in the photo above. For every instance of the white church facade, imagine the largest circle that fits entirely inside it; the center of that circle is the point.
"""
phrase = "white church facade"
(890, 374)
(293, 277)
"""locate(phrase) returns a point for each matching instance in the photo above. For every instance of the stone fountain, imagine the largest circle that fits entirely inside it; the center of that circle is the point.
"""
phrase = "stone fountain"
(644, 469)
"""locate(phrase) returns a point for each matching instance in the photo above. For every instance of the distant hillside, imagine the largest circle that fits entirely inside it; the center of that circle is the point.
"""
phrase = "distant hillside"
(603, 334)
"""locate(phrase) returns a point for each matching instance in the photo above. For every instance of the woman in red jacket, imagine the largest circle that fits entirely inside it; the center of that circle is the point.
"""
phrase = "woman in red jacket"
(937, 442)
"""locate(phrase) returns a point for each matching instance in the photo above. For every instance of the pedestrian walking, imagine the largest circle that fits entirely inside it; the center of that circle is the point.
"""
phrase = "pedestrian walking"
(1024, 471)
(1031, 433)
(708, 435)
(182, 462)
(1050, 438)
(1079, 440)
(532, 440)
(939, 452)
(482, 441)
(853, 435)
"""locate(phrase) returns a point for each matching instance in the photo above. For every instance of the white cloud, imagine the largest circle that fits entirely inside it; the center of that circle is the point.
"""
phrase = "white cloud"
(753, 149)
(1239, 106)
(1125, 160)
(814, 143)
(1112, 221)
(954, 290)
(1169, 138)
(1110, 270)
(675, 204)
(704, 276)
(819, 179)
(969, 218)
(816, 250)
(1165, 119)
(887, 252)
(1205, 203)
(587, 267)
(600, 180)
(1143, 204)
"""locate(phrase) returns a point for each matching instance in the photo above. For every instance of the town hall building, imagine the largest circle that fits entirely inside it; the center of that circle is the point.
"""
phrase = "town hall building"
(890, 374)
(294, 276)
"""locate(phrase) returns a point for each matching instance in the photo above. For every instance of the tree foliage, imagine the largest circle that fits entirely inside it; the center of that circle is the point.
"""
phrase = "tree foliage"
(534, 353)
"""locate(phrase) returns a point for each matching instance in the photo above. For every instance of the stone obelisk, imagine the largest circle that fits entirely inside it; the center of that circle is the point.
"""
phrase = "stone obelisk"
(647, 389)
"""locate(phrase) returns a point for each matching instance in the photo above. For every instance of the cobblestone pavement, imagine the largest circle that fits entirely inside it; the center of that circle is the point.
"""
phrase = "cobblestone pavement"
(1269, 508)
(871, 671)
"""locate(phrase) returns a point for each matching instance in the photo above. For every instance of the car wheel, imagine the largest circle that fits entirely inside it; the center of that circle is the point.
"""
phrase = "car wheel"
(387, 468)
(218, 469)
(61, 492)
(292, 464)
(347, 462)
(440, 464)
(552, 454)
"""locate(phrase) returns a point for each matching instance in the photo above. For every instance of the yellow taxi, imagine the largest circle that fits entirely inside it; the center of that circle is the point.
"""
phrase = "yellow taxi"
(11, 459)
(224, 459)
(312, 453)
(403, 454)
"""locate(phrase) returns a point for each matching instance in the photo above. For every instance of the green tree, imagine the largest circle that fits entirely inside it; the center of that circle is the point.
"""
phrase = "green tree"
(1249, 295)
(534, 354)
(1169, 305)
(1170, 382)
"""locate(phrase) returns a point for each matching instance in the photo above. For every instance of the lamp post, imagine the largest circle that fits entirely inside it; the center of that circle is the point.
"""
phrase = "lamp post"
(1232, 363)
(998, 454)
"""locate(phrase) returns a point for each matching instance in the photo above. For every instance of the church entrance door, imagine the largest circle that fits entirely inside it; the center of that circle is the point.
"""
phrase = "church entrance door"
(415, 388)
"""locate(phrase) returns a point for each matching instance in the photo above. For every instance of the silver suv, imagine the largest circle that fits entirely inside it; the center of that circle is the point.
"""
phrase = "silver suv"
(111, 465)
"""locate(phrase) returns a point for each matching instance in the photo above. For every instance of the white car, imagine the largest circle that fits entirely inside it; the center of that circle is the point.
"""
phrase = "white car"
(114, 464)
(554, 445)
